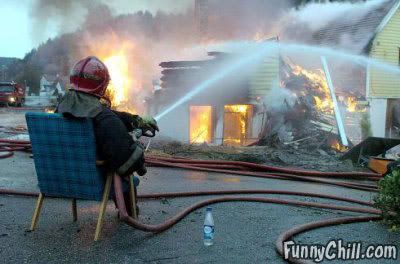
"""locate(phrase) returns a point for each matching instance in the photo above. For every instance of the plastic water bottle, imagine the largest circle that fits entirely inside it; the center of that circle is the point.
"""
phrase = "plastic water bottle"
(208, 228)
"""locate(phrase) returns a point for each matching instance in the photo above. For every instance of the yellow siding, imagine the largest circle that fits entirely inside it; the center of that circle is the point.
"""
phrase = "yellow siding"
(265, 77)
(386, 48)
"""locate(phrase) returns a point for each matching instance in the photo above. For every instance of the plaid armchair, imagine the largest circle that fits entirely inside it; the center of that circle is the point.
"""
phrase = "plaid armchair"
(64, 152)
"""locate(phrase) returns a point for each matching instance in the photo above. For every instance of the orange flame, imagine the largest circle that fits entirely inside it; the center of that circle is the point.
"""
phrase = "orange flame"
(351, 104)
(116, 53)
(317, 78)
(339, 147)
(200, 124)
(323, 102)
(117, 65)
(242, 110)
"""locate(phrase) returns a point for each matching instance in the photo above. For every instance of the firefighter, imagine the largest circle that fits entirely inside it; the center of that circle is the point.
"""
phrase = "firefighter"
(89, 80)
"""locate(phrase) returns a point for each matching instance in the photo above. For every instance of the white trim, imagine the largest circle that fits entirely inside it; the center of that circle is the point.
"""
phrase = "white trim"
(387, 18)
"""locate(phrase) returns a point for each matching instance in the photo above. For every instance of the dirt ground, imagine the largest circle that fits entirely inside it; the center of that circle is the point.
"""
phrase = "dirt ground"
(283, 157)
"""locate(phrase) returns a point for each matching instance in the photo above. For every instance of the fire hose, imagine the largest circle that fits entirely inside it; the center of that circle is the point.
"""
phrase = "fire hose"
(243, 169)
(9, 146)
(185, 164)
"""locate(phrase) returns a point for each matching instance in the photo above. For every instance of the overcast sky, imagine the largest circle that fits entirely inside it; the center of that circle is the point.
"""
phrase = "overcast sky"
(19, 32)
(14, 27)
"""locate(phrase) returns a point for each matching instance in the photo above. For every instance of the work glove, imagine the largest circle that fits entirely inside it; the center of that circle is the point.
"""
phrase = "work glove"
(135, 163)
(148, 123)
(130, 121)
(139, 166)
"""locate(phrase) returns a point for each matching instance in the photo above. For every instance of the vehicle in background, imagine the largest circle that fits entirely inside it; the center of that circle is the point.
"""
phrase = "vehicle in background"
(12, 93)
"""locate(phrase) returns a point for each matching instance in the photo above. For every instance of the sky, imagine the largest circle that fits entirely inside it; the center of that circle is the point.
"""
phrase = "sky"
(20, 32)
(14, 27)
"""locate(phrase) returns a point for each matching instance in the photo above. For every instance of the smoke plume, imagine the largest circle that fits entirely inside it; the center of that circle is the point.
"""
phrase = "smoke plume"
(300, 25)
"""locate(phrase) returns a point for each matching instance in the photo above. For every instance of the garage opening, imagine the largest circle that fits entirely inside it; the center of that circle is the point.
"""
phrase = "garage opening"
(237, 124)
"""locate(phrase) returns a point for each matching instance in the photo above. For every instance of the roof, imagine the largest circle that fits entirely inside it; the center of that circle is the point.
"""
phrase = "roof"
(353, 32)
(52, 80)
(50, 77)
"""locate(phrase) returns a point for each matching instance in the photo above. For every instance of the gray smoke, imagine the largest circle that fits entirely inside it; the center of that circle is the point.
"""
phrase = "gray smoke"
(300, 25)
(51, 17)
(62, 16)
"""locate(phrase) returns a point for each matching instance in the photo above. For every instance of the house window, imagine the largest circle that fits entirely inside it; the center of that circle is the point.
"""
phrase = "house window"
(200, 124)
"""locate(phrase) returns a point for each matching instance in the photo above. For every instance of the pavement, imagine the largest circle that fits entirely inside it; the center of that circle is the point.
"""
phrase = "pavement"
(245, 232)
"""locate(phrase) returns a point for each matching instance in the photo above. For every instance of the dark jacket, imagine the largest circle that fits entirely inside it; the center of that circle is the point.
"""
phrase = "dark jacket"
(114, 143)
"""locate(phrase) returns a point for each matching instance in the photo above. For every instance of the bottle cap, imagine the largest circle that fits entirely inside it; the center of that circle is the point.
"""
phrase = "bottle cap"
(209, 209)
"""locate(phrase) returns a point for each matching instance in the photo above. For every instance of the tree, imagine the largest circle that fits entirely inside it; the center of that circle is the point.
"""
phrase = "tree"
(31, 75)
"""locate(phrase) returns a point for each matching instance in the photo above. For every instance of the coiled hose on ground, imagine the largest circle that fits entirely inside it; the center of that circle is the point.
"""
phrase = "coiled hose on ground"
(7, 147)
(243, 169)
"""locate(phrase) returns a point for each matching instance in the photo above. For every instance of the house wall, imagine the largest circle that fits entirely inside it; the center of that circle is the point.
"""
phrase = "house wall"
(378, 109)
(382, 85)
(385, 47)
(265, 77)
(175, 125)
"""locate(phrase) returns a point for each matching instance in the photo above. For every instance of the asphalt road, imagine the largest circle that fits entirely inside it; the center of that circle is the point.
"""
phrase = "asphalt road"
(245, 232)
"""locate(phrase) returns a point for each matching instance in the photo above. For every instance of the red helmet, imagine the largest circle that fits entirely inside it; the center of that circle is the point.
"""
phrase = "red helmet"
(91, 76)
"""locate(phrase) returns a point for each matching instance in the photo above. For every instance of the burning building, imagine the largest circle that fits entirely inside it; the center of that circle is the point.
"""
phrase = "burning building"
(237, 110)
(233, 112)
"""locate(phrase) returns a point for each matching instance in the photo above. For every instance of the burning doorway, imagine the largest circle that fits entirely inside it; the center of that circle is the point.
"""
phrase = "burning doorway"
(200, 122)
(237, 124)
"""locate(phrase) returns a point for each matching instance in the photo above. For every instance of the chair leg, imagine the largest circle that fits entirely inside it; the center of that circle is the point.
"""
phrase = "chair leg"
(36, 214)
(74, 210)
(103, 206)
(132, 194)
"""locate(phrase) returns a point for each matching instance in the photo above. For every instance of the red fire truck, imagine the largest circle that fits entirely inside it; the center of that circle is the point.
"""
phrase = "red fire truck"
(12, 93)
